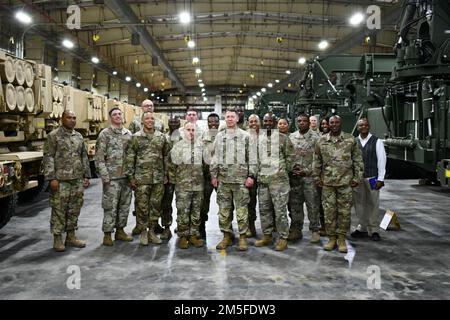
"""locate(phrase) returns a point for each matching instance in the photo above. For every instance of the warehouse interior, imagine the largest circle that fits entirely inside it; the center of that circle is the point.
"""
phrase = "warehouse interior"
(387, 60)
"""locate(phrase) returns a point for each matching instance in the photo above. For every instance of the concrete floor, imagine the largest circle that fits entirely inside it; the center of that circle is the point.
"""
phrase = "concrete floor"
(413, 263)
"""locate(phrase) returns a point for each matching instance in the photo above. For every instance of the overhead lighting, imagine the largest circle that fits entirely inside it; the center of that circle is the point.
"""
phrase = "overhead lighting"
(250, 99)
(302, 60)
(127, 78)
(68, 44)
(198, 71)
(114, 73)
(145, 89)
(270, 84)
(205, 99)
(200, 80)
(356, 19)
(323, 44)
(138, 84)
(203, 94)
(201, 85)
(277, 81)
(252, 76)
(185, 17)
(162, 100)
(288, 71)
(240, 91)
(254, 97)
(263, 90)
(95, 60)
(23, 17)
(191, 44)
(152, 94)
(258, 94)
(195, 60)
(203, 89)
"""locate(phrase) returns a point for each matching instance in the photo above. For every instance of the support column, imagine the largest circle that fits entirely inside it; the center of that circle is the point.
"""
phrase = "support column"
(86, 74)
(124, 92)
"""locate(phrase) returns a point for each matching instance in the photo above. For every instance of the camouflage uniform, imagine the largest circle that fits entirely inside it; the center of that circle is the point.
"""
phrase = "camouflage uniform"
(186, 171)
(230, 165)
(66, 160)
(275, 153)
(110, 155)
(208, 138)
(136, 125)
(169, 187)
(303, 189)
(147, 163)
(337, 163)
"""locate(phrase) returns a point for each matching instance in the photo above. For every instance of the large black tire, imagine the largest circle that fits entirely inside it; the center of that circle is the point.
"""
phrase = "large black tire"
(7, 209)
(31, 194)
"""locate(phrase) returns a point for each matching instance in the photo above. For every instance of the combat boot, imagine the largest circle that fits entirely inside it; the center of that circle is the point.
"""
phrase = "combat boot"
(136, 231)
(295, 234)
(226, 242)
(158, 229)
(144, 238)
(315, 237)
(331, 244)
(183, 243)
(166, 234)
(58, 244)
(198, 243)
(242, 246)
(122, 236)
(152, 237)
(251, 232)
(281, 245)
(342, 247)
(265, 241)
(322, 232)
(107, 240)
(73, 241)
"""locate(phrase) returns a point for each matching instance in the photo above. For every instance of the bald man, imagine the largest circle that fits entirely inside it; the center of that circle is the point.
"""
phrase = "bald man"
(136, 125)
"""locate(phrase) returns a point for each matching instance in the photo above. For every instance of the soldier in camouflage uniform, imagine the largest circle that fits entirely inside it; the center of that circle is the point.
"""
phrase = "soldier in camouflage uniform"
(172, 137)
(338, 167)
(186, 171)
(66, 166)
(110, 152)
(136, 126)
(231, 173)
(253, 130)
(275, 155)
(146, 168)
(303, 187)
(208, 138)
(242, 124)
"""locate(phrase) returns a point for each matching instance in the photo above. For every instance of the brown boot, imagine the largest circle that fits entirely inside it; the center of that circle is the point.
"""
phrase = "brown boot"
(107, 240)
(265, 241)
(242, 246)
(251, 232)
(152, 237)
(73, 241)
(122, 236)
(166, 234)
(295, 234)
(315, 237)
(58, 244)
(281, 245)
(226, 241)
(331, 244)
(198, 243)
(342, 247)
(183, 243)
(143, 239)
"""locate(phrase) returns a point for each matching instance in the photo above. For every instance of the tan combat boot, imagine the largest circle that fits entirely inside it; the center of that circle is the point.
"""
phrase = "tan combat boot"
(58, 244)
(198, 243)
(183, 243)
(295, 234)
(265, 241)
(251, 232)
(166, 234)
(144, 238)
(107, 240)
(122, 236)
(242, 246)
(226, 241)
(136, 230)
(73, 241)
(331, 244)
(152, 237)
(315, 237)
(281, 245)
(342, 247)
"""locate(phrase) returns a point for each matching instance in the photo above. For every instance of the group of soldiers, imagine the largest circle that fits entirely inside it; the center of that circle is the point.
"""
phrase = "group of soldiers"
(243, 161)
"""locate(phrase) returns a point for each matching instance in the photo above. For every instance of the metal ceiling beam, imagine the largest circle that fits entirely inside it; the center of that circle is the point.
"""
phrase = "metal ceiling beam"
(126, 15)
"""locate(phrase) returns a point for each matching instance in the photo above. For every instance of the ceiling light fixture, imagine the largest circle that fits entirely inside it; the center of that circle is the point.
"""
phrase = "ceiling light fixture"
(184, 17)
(191, 44)
(95, 60)
(68, 44)
(302, 60)
(128, 78)
(323, 44)
(23, 17)
(356, 19)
